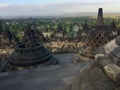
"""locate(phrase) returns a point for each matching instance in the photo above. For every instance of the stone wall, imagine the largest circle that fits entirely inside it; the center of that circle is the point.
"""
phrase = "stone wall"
(63, 47)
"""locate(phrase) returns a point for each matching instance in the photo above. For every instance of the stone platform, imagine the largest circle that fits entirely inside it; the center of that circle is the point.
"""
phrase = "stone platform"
(80, 76)
(42, 78)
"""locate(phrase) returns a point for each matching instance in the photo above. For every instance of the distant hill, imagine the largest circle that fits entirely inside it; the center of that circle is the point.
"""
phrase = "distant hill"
(79, 14)
(90, 14)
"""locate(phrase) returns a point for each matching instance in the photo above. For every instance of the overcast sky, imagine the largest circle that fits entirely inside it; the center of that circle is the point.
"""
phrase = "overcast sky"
(55, 7)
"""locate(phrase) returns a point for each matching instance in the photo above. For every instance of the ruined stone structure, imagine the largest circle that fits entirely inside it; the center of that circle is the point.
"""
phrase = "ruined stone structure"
(30, 52)
(101, 74)
(36, 55)
(108, 60)
(85, 27)
(100, 18)
(97, 36)
(79, 35)
(111, 51)
(59, 34)
(7, 39)
(7, 42)
(33, 34)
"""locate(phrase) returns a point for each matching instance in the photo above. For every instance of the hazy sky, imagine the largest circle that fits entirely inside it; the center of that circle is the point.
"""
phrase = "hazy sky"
(55, 7)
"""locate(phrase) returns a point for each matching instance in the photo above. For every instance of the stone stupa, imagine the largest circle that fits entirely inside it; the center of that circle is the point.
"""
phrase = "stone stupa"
(7, 41)
(59, 34)
(31, 52)
(99, 35)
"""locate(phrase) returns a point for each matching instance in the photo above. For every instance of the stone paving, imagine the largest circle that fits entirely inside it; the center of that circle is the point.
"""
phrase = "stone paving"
(42, 78)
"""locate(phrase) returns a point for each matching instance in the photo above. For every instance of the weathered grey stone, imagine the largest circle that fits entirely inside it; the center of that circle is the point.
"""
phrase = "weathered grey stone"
(29, 53)
(108, 60)
(113, 72)
(99, 80)
(82, 81)
(42, 78)
(112, 51)
(101, 60)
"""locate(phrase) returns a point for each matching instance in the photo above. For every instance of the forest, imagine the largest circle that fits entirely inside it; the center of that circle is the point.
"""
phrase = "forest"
(17, 26)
